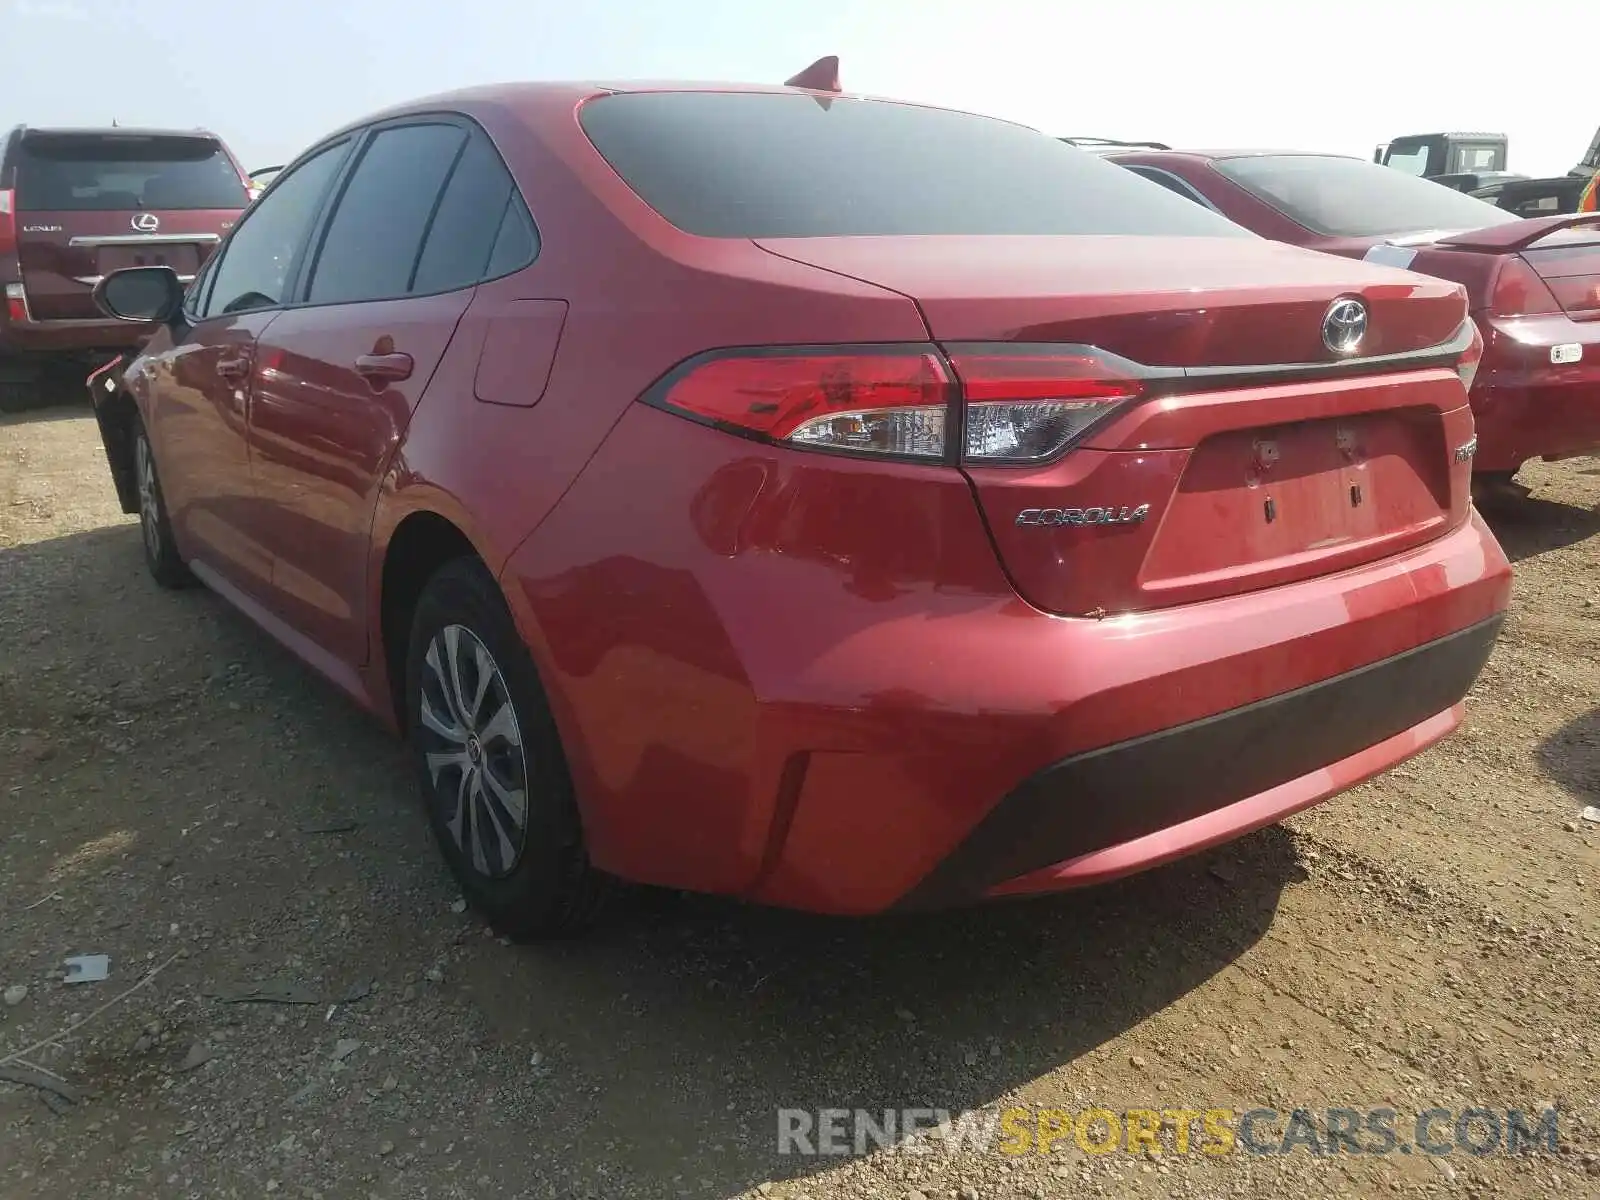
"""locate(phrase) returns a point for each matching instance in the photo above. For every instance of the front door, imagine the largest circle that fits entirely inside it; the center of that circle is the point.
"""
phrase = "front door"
(200, 396)
(198, 416)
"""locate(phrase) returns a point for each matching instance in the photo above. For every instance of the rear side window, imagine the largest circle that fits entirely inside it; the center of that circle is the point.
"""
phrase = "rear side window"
(372, 243)
(476, 204)
(1345, 197)
(252, 269)
(110, 173)
(746, 165)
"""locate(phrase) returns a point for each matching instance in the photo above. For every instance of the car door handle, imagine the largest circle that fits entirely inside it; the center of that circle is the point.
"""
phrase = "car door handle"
(233, 368)
(384, 368)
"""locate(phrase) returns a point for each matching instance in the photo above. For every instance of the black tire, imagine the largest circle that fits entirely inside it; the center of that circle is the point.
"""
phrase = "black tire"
(539, 884)
(18, 396)
(155, 528)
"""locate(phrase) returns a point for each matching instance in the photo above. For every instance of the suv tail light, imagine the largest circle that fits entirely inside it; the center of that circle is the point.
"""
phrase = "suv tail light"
(16, 303)
(1016, 404)
(8, 221)
(1471, 357)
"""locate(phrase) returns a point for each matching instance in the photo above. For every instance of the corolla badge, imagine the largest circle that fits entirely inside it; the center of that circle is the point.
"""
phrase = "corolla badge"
(1344, 325)
(146, 222)
(1108, 514)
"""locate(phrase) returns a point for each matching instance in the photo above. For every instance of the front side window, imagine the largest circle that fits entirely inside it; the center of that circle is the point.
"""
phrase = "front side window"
(252, 270)
(1412, 159)
(374, 239)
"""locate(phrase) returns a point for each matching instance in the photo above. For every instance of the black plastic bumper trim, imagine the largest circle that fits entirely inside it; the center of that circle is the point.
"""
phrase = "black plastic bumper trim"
(1123, 791)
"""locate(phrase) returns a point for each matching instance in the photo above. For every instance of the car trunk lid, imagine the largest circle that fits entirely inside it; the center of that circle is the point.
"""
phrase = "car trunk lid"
(1235, 449)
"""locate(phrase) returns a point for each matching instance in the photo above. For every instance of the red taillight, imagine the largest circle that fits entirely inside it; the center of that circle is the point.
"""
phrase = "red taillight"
(1571, 271)
(1023, 404)
(1520, 292)
(1578, 294)
(16, 303)
(8, 221)
(1029, 403)
(889, 400)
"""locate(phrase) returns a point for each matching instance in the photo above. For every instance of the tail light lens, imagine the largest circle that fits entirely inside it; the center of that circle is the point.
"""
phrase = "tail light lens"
(890, 401)
(8, 221)
(1018, 404)
(1519, 291)
(1571, 272)
(1028, 404)
(16, 303)
(1467, 368)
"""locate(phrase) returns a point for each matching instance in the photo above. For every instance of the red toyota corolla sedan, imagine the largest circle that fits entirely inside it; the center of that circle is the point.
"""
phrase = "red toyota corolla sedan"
(1534, 285)
(836, 503)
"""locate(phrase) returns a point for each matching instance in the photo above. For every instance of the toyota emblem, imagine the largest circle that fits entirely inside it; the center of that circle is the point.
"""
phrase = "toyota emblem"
(146, 222)
(1344, 325)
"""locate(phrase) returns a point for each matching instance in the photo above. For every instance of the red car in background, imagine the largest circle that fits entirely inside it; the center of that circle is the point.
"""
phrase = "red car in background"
(722, 490)
(77, 204)
(1534, 285)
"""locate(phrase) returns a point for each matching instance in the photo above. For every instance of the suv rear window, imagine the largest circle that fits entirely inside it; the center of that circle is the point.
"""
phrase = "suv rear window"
(1345, 197)
(758, 164)
(108, 173)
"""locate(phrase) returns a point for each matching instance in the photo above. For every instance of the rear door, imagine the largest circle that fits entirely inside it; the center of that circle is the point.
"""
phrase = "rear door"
(89, 203)
(339, 375)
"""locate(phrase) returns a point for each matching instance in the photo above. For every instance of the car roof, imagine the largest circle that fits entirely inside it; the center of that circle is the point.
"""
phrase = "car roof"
(1471, 133)
(111, 131)
(1219, 155)
(553, 100)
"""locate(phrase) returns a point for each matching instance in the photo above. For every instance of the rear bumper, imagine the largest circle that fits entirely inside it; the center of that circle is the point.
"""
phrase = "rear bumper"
(47, 339)
(1526, 407)
(1128, 807)
(744, 715)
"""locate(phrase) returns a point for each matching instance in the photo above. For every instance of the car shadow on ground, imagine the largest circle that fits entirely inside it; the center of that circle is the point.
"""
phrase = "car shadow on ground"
(669, 1039)
(1571, 757)
(731, 1014)
(1531, 526)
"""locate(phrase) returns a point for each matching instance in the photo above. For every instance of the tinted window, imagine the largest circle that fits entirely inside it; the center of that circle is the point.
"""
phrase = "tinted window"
(253, 270)
(100, 173)
(1345, 197)
(467, 223)
(370, 248)
(517, 242)
(745, 165)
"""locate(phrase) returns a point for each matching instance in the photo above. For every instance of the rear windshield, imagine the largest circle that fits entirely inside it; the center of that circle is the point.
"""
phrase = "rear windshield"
(107, 174)
(753, 164)
(1345, 197)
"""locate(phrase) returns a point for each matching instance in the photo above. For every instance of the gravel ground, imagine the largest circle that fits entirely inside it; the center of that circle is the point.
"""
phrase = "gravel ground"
(325, 1020)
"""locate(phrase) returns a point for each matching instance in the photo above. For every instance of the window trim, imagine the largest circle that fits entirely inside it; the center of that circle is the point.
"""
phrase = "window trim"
(1185, 188)
(213, 265)
(306, 269)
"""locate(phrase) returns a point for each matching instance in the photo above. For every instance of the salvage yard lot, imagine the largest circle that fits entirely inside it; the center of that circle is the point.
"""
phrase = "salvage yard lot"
(177, 790)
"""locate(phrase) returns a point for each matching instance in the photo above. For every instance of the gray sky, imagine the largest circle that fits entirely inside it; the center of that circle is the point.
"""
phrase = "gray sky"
(1339, 75)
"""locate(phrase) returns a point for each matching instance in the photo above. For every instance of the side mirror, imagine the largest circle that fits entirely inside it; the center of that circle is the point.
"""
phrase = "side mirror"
(147, 295)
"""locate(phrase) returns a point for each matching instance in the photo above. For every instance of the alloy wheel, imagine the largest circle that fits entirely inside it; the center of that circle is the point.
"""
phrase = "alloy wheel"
(474, 751)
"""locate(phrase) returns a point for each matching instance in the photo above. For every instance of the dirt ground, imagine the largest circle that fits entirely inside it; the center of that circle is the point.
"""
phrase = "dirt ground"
(176, 792)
